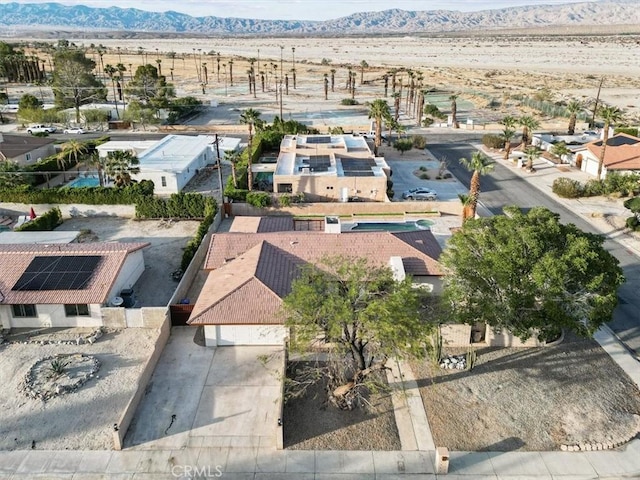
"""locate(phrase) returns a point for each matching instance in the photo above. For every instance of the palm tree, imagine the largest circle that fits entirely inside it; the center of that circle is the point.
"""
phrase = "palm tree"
(531, 153)
(234, 159)
(326, 86)
(466, 207)
(560, 149)
(110, 70)
(363, 65)
(230, 72)
(479, 164)
(250, 117)
(396, 105)
(94, 160)
(507, 135)
(529, 124)
(379, 110)
(610, 115)
(454, 111)
(573, 108)
(73, 149)
(333, 79)
(120, 165)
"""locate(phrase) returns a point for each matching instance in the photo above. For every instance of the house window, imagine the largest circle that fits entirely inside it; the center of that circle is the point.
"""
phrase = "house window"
(285, 188)
(76, 310)
(28, 157)
(164, 181)
(24, 310)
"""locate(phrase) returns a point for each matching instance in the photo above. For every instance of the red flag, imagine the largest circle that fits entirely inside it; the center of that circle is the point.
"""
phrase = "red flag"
(32, 214)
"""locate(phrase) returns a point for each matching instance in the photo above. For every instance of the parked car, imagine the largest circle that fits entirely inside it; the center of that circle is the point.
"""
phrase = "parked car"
(420, 193)
(33, 129)
(74, 130)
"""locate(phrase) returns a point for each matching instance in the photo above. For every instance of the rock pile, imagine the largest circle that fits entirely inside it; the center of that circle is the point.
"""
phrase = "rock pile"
(91, 338)
(454, 362)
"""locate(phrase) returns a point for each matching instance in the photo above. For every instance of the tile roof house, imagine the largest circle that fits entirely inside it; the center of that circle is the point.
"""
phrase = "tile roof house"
(622, 155)
(23, 149)
(250, 274)
(61, 285)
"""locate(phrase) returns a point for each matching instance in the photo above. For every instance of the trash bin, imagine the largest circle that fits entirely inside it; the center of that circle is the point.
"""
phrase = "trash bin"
(442, 461)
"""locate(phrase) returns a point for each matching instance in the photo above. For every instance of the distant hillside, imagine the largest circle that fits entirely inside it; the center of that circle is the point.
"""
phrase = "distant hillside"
(55, 16)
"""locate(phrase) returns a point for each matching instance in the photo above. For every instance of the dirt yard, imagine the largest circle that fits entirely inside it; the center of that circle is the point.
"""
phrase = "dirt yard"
(310, 423)
(82, 420)
(530, 399)
(155, 287)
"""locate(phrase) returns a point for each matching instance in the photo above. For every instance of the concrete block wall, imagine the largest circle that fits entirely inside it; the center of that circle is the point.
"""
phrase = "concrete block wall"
(72, 210)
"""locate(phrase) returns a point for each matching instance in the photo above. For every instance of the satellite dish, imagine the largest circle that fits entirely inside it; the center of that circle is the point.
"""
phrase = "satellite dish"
(117, 301)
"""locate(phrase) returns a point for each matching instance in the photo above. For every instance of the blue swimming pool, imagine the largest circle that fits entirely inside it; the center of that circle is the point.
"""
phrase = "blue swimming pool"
(84, 182)
(391, 226)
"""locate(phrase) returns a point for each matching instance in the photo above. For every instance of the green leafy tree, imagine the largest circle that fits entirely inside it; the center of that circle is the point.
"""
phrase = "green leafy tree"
(403, 145)
(150, 89)
(529, 274)
(9, 176)
(610, 115)
(73, 81)
(364, 315)
(379, 110)
(30, 108)
(120, 165)
(479, 164)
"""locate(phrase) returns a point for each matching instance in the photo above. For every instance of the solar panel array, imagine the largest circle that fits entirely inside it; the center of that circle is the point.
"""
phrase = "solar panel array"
(71, 272)
(316, 163)
(358, 167)
(319, 139)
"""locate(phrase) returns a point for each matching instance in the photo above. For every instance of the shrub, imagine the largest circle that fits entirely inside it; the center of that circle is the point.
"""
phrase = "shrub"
(566, 188)
(259, 199)
(633, 204)
(628, 130)
(419, 141)
(492, 141)
(624, 184)
(427, 122)
(423, 168)
(424, 176)
(44, 223)
(403, 145)
(632, 223)
(285, 200)
(194, 243)
(178, 205)
(86, 195)
(349, 101)
(593, 188)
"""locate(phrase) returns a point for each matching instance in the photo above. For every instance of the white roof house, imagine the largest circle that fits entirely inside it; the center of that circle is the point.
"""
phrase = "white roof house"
(136, 146)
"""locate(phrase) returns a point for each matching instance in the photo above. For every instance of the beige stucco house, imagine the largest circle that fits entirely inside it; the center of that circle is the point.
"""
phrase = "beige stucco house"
(25, 150)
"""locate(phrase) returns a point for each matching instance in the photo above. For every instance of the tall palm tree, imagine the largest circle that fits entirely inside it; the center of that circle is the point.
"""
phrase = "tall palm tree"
(120, 165)
(573, 108)
(234, 159)
(610, 115)
(363, 65)
(396, 105)
(73, 149)
(333, 79)
(230, 72)
(531, 153)
(508, 133)
(454, 111)
(94, 160)
(479, 164)
(529, 124)
(379, 111)
(467, 212)
(250, 117)
(326, 86)
(110, 70)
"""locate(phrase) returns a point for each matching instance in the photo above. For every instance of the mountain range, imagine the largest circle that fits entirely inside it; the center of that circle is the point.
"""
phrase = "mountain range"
(47, 16)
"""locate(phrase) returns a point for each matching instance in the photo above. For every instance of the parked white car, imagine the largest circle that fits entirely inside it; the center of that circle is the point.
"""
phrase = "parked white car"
(73, 130)
(33, 129)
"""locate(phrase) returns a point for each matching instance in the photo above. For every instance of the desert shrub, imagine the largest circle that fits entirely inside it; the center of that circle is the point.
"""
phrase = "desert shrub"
(624, 184)
(419, 141)
(566, 188)
(258, 199)
(424, 176)
(633, 204)
(178, 205)
(427, 122)
(194, 243)
(403, 145)
(44, 223)
(349, 101)
(632, 223)
(628, 130)
(128, 195)
(593, 188)
(492, 141)
(284, 200)
(423, 168)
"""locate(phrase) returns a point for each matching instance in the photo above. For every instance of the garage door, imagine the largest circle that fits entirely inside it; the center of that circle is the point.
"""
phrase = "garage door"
(591, 166)
(250, 334)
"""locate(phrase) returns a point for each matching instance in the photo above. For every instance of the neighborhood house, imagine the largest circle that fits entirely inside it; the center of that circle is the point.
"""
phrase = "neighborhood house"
(622, 155)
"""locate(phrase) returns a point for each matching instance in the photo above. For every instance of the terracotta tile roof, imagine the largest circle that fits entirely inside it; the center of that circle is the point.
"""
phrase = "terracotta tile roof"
(251, 273)
(275, 224)
(419, 249)
(623, 152)
(15, 258)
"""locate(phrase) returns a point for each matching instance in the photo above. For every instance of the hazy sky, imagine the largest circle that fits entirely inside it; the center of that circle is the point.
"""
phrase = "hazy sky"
(297, 9)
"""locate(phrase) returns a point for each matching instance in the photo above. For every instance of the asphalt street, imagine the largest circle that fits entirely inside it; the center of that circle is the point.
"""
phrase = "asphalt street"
(502, 187)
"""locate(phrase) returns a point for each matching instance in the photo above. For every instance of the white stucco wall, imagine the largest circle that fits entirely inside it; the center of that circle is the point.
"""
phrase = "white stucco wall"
(50, 316)
(129, 274)
(228, 335)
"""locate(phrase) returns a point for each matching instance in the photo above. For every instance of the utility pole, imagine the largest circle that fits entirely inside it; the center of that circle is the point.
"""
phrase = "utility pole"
(219, 170)
(595, 107)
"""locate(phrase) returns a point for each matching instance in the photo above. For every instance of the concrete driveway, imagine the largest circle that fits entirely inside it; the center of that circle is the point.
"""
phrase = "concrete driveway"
(210, 397)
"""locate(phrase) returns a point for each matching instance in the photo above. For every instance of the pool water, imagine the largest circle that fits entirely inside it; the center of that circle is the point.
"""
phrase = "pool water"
(392, 226)
(84, 182)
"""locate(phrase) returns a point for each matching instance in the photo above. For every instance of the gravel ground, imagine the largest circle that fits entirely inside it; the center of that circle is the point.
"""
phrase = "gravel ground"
(530, 399)
(81, 420)
(155, 286)
(311, 424)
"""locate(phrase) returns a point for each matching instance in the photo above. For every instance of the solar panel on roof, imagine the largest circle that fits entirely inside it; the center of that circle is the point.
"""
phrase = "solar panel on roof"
(358, 167)
(318, 139)
(72, 272)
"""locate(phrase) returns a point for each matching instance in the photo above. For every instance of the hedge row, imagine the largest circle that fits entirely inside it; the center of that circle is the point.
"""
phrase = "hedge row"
(84, 195)
(44, 223)
(613, 184)
(178, 205)
(194, 243)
